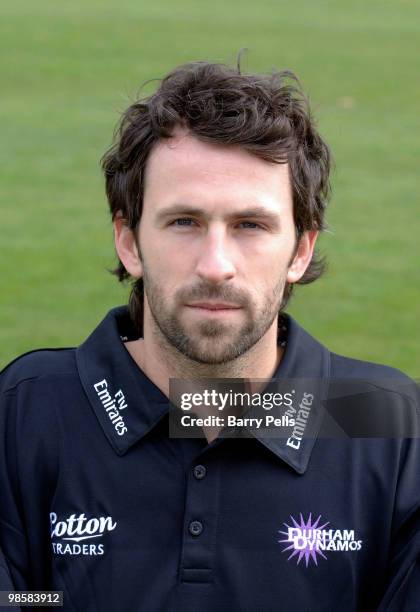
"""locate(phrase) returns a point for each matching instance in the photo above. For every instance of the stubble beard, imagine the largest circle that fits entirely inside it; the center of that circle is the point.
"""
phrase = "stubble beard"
(212, 342)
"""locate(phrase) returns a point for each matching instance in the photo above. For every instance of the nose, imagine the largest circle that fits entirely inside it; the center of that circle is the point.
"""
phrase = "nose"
(215, 261)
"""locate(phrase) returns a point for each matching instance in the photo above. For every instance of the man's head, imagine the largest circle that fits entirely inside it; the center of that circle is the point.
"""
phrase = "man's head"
(217, 185)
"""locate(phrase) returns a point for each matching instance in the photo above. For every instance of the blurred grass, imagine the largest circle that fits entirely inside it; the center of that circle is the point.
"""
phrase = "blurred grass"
(68, 70)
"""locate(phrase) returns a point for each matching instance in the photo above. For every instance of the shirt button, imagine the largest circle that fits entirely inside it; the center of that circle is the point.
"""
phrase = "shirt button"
(195, 528)
(200, 471)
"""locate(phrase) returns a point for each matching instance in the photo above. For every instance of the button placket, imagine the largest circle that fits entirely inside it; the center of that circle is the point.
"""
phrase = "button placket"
(200, 521)
(199, 471)
(196, 528)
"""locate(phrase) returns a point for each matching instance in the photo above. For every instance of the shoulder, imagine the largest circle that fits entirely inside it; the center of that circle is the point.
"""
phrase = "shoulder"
(342, 366)
(39, 364)
(31, 388)
(377, 374)
(373, 399)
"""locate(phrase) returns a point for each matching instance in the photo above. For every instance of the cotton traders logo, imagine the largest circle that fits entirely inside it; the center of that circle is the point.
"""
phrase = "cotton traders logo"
(309, 540)
(67, 534)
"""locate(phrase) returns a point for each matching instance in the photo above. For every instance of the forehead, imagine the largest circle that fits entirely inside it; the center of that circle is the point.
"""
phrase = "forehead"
(184, 167)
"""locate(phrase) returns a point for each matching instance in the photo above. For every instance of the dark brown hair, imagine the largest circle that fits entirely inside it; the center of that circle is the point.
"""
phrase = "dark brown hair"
(265, 114)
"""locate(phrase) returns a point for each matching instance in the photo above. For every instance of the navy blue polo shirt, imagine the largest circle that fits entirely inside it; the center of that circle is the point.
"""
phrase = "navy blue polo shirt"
(97, 500)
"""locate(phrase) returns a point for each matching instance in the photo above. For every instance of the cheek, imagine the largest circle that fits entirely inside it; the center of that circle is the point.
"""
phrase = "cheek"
(267, 259)
(173, 263)
(165, 266)
(159, 254)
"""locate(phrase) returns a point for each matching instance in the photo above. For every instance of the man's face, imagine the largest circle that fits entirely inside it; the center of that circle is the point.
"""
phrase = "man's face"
(217, 237)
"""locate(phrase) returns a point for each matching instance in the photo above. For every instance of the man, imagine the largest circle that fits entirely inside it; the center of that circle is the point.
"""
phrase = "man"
(217, 186)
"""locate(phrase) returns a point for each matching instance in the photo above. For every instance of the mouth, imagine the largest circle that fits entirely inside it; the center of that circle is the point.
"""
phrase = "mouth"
(213, 308)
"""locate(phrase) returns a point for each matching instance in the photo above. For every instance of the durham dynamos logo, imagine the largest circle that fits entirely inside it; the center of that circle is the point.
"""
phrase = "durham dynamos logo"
(307, 539)
(75, 529)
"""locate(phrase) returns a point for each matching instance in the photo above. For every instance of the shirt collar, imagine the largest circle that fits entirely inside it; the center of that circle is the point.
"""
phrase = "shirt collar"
(128, 404)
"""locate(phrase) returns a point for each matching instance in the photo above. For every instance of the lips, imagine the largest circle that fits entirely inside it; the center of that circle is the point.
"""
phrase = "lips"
(214, 306)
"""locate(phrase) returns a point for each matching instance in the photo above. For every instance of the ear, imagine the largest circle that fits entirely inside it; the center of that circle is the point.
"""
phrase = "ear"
(126, 247)
(303, 256)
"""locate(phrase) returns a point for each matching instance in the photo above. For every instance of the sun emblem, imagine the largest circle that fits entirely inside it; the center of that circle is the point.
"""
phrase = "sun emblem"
(304, 539)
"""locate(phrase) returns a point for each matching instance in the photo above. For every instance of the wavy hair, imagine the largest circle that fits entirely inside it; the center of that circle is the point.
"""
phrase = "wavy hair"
(268, 115)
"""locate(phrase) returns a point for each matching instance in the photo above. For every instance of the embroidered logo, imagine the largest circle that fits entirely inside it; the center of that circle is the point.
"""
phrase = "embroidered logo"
(301, 420)
(113, 405)
(309, 540)
(66, 534)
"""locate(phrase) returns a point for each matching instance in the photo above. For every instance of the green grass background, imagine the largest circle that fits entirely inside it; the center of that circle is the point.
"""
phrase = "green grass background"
(69, 68)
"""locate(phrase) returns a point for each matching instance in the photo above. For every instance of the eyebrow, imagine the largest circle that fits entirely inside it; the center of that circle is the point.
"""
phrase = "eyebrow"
(257, 212)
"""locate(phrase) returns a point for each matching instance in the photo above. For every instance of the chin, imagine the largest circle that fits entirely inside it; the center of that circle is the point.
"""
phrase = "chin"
(202, 353)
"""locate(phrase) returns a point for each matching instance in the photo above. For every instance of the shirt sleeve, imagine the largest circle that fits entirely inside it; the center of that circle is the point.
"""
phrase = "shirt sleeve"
(402, 592)
(13, 559)
(6, 583)
(28, 476)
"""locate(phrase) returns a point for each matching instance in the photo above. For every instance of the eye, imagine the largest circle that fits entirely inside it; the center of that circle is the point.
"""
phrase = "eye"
(182, 221)
(250, 225)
